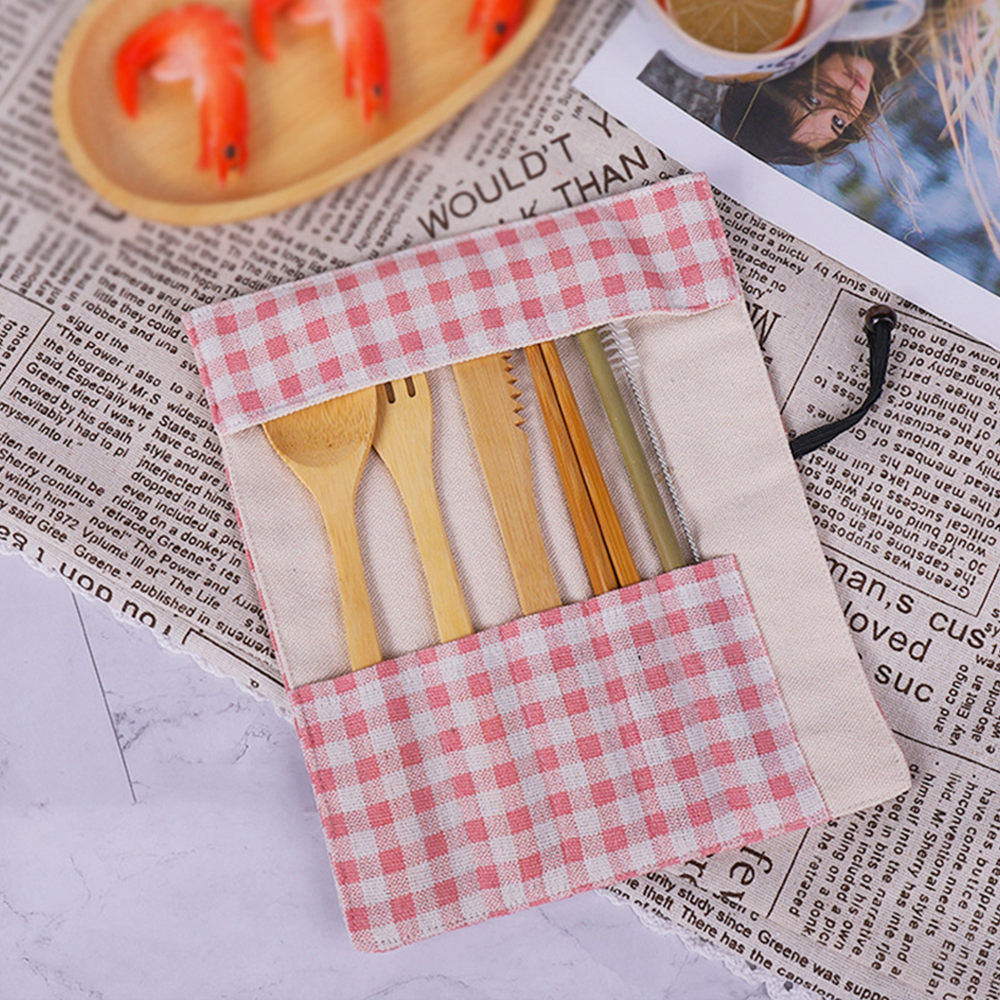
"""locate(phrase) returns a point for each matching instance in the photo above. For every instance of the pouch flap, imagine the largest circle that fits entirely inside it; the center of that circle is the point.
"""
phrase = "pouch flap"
(656, 249)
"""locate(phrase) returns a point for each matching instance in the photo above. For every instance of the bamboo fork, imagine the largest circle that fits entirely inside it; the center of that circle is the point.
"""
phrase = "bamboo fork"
(404, 437)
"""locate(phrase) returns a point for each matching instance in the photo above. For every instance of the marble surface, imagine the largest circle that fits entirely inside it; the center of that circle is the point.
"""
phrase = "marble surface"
(158, 840)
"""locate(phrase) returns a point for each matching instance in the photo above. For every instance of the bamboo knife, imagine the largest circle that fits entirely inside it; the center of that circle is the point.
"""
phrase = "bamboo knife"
(490, 398)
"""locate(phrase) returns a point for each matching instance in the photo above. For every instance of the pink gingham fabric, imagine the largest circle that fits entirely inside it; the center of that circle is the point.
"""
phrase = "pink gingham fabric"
(656, 249)
(561, 752)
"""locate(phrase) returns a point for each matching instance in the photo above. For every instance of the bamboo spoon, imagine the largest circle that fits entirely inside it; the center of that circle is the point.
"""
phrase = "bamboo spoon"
(404, 436)
(326, 446)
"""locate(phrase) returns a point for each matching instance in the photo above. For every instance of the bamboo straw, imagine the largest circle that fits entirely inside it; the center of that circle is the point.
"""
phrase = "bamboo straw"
(664, 539)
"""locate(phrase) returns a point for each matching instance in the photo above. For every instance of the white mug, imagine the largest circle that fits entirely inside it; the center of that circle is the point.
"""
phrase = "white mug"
(828, 21)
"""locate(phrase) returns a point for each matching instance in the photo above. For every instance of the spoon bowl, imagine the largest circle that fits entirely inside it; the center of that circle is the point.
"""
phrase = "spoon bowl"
(326, 446)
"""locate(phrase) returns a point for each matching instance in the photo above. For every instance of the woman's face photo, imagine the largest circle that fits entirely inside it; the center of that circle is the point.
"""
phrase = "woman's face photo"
(900, 131)
(841, 88)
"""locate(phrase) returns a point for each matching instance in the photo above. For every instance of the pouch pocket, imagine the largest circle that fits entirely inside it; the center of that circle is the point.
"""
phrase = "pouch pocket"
(562, 751)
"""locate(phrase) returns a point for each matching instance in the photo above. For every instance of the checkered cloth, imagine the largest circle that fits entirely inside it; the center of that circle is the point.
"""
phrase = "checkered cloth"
(564, 751)
(657, 249)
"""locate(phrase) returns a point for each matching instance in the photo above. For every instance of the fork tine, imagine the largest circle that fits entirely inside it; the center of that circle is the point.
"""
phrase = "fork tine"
(393, 392)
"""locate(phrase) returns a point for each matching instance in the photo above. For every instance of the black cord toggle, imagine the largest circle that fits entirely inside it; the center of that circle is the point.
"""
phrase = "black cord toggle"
(880, 321)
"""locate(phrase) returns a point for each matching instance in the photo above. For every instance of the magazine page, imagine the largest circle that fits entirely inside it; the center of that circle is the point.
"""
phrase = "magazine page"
(909, 199)
(110, 477)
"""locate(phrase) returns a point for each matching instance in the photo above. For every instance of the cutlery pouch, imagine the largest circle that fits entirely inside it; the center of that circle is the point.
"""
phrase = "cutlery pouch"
(696, 711)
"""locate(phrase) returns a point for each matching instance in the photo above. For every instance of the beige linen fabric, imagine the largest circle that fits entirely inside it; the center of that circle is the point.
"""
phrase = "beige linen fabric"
(709, 395)
(736, 478)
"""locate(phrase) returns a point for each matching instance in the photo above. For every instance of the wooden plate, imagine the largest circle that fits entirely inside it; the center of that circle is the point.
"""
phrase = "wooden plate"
(306, 137)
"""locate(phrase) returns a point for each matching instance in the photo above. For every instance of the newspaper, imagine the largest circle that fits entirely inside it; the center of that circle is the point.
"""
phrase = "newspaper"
(110, 477)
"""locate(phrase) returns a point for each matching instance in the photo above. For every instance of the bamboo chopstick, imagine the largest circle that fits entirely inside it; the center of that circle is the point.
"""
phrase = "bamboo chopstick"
(602, 541)
(600, 571)
(607, 517)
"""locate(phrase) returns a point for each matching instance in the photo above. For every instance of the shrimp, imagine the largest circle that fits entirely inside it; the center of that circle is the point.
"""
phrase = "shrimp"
(202, 44)
(358, 33)
(500, 19)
